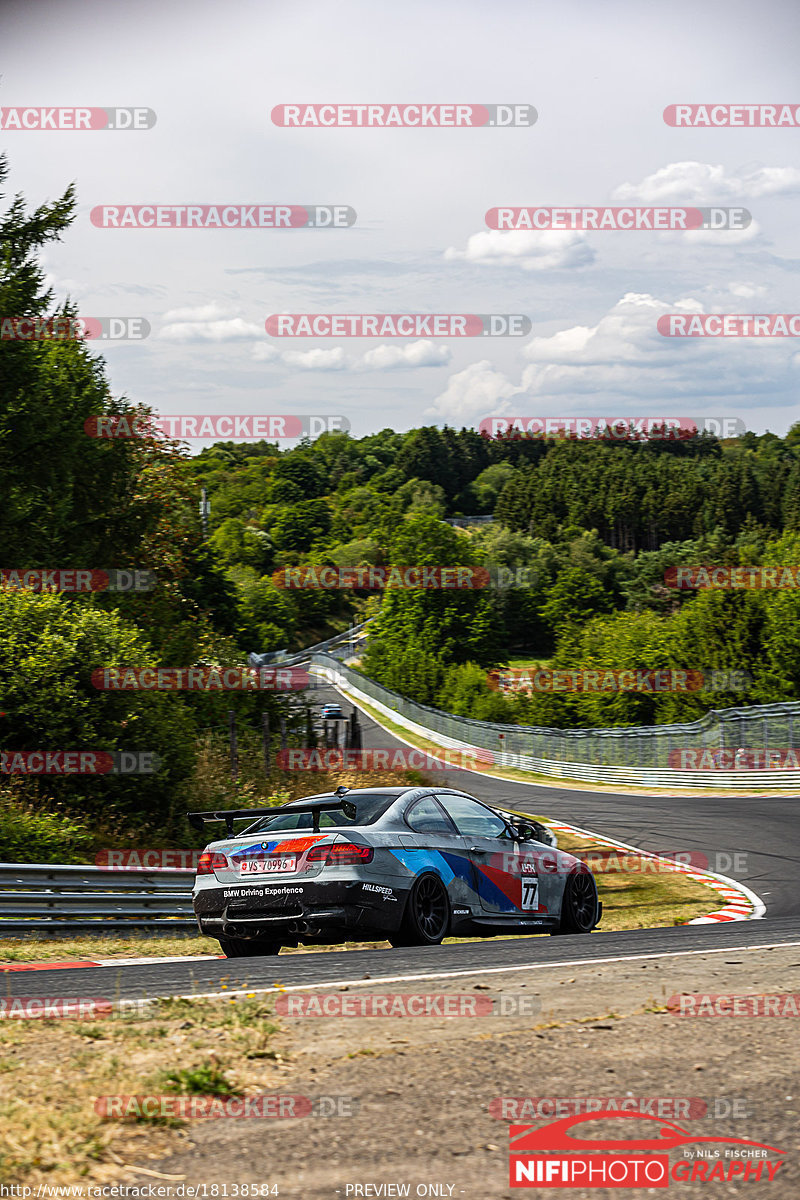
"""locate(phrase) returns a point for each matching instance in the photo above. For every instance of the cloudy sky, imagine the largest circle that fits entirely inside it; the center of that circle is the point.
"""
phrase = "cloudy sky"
(599, 75)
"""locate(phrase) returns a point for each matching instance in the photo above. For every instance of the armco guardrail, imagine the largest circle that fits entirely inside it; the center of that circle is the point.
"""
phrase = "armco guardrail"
(41, 900)
(344, 642)
(631, 755)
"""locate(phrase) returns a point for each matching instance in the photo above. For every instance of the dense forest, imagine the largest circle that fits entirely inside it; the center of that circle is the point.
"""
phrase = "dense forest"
(595, 526)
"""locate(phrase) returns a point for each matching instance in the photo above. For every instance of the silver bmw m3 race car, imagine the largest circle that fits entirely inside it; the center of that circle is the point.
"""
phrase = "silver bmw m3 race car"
(411, 865)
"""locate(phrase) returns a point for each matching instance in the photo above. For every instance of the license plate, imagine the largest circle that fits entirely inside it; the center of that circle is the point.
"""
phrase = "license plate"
(281, 864)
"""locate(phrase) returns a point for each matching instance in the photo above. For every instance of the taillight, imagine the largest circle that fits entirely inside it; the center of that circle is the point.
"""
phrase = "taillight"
(209, 862)
(340, 854)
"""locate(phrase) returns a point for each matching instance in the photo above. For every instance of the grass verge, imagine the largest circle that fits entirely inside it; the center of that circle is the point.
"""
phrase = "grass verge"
(54, 1071)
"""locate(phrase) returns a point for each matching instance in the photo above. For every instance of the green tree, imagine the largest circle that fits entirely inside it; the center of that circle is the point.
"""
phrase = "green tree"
(49, 648)
(300, 525)
(68, 498)
(574, 598)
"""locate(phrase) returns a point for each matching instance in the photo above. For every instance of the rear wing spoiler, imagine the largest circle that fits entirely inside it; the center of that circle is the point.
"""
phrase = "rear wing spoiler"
(198, 819)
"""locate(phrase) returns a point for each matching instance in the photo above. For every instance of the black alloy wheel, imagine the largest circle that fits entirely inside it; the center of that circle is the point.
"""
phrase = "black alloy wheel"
(579, 905)
(427, 916)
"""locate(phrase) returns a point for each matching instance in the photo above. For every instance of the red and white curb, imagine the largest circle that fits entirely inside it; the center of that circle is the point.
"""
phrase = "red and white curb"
(742, 903)
(106, 962)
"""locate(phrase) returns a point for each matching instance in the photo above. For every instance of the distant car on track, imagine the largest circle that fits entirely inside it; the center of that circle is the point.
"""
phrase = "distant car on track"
(332, 712)
(409, 864)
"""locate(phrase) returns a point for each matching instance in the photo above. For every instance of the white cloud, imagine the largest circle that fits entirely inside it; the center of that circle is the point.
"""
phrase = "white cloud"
(65, 288)
(715, 237)
(626, 339)
(478, 389)
(231, 330)
(316, 360)
(416, 354)
(385, 357)
(533, 250)
(746, 291)
(624, 359)
(201, 312)
(703, 184)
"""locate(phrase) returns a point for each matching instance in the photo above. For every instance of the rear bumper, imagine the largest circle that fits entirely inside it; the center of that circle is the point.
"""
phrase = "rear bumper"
(298, 910)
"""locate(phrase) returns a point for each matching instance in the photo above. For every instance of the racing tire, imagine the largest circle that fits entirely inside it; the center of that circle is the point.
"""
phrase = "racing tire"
(248, 947)
(426, 919)
(579, 906)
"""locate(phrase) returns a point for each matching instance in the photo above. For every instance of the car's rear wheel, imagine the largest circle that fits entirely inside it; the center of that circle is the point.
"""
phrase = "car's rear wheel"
(427, 916)
(248, 947)
(579, 906)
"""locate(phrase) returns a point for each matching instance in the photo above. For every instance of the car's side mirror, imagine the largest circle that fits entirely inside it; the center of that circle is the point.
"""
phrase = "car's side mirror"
(526, 833)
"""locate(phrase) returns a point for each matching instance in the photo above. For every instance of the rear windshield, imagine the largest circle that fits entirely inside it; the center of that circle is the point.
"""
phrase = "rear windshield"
(369, 806)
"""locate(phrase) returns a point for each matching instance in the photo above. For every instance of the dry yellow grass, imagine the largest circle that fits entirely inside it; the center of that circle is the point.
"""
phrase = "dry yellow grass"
(54, 1071)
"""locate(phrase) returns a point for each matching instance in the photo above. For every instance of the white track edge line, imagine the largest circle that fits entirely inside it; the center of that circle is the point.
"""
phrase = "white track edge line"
(577, 962)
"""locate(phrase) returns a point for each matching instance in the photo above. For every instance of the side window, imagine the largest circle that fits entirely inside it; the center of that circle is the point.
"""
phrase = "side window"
(472, 819)
(425, 816)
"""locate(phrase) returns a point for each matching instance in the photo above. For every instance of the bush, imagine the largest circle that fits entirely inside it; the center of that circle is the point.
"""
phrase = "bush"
(49, 647)
(32, 836)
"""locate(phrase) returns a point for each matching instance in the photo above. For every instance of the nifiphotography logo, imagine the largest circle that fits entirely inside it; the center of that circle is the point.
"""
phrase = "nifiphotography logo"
(551, 1156)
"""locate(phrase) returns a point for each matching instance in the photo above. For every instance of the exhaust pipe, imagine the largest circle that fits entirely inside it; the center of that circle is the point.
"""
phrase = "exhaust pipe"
(303, 927)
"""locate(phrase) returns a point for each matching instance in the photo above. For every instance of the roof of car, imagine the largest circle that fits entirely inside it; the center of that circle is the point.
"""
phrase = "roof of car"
(407, 790)
(371, 791)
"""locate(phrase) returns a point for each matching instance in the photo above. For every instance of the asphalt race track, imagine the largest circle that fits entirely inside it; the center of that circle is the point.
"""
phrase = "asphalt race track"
(759, 836)
(763, 831)
(314, 969)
